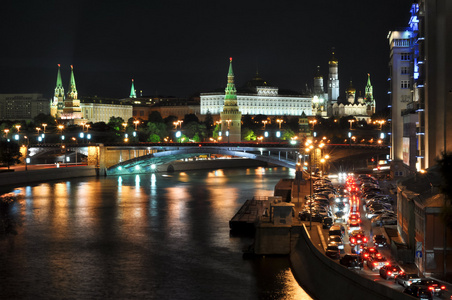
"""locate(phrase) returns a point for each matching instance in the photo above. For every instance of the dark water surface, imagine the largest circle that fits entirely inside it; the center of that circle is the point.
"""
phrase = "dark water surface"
(144, 237)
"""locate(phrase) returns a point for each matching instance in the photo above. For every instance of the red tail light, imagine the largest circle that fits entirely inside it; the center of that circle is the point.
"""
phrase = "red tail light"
(443, 287)
(431, 288)
(389, 273)
(387, 264)
(353, 241)
(375, 264)
(365, 240)
(366, 255)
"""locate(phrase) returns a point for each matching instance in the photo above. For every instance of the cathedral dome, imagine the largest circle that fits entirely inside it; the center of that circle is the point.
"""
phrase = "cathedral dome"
(351, 89)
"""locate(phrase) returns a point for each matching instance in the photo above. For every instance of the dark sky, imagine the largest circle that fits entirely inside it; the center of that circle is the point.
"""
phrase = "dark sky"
(180, 48)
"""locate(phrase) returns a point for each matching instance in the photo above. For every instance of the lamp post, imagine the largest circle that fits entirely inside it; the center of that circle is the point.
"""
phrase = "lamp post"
(6, 133)
(265, 123)
(136, 122)
(308, 149)
(351, 122)
(18, 128)
(279, 121)
(44, 125)
(313, 122)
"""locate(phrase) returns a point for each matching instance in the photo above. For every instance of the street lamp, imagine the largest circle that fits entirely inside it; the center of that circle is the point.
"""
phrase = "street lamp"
(136, 122)
(313, 122)
(351, 122)
(6, 133)
(265, 123)
(279, 121)
(44, 125)
(18, 128)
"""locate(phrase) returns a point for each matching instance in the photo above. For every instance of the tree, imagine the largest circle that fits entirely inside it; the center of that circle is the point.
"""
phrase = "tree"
(208, 121)
(43, 118)
(155, 117)
(116, 123)
(190, 118)
(248, 135)
(154, 138)
(287, 135)
(193, 128)
(9, 153)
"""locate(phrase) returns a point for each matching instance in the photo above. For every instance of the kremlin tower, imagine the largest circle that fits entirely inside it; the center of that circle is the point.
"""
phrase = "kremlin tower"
(231, 117)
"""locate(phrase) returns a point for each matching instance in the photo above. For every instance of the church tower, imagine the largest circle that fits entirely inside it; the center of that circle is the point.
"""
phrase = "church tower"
(133, 94)
(56, 108)
(350, 94)
(318, 83)
(231, 117)
(333, 80)
(72, 110)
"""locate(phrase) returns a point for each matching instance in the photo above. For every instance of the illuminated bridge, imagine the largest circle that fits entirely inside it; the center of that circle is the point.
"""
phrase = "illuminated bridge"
(116, 159)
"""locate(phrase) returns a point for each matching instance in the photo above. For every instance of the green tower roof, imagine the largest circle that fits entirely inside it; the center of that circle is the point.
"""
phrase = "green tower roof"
(72, 87)
(59, 90)
(133, 94)
(230, 91)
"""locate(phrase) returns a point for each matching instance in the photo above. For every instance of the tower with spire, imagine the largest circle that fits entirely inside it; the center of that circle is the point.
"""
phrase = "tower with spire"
(72, 110)
(231, 117)
(319, 97)
(133, 93)
(333, 79)
(56, 107)
(369, 99)
(350, 93)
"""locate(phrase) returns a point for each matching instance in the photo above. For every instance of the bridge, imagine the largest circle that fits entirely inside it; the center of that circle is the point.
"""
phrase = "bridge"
(134, 158)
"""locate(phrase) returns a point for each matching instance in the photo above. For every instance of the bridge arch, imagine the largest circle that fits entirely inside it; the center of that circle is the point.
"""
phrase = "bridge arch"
(148, 163)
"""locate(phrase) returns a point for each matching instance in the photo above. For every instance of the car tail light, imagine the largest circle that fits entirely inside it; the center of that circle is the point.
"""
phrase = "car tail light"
(409, 282)
(365, 239)
(353, 240)
(366, 255)
(389, 273)
(386, 264)
(431, 288)
(443, 287)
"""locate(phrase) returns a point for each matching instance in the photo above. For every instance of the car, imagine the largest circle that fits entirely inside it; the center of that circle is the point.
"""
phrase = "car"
(368, 252)
(336, 239)
(332, 251)
(418, 291)
(373, 213)
(327, 222)
(390, 271)
(376, 262)
(407, 279)
(336, 230)
(339, 216)
(354, 225)
(434, 286)
(379, 240)
(352, 261)
(357, 237)
(384, 219)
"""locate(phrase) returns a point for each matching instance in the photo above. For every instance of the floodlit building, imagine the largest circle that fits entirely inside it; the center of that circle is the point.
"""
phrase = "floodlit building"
(101, 110)
(256, 97)
(23, 106)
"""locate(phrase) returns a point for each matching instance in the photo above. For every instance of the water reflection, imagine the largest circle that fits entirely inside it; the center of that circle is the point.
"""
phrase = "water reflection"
(145, 236)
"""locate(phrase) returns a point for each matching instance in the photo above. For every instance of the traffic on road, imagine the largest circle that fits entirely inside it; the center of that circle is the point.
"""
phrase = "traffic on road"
(354, 211)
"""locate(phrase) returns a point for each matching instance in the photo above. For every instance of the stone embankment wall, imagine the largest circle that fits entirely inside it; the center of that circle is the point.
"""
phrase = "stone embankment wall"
(323, 278)
(11, 179)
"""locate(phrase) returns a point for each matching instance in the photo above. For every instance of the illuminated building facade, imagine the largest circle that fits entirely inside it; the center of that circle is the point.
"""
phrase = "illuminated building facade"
(257, 97)
(360, 108)
(101, 110)
(420, 124)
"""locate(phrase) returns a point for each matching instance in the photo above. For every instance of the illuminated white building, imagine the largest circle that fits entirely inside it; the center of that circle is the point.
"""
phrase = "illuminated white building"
(258, 98)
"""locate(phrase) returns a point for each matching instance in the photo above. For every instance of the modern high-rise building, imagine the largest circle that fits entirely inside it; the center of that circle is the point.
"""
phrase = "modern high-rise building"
(231, 117)
(421, 86)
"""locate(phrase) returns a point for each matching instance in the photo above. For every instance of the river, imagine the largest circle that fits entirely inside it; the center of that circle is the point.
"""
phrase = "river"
(150, 236)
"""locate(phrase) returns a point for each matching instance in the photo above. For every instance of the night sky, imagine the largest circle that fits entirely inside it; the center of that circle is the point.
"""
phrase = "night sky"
(181, 48)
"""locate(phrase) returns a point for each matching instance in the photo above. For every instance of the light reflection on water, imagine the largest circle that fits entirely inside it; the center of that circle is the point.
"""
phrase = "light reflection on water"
(145, 236)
